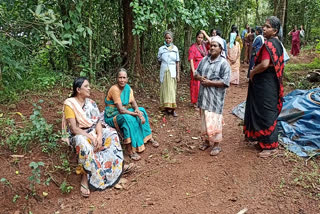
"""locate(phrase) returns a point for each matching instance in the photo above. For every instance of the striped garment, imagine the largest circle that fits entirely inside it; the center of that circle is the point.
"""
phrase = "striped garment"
(212, 98)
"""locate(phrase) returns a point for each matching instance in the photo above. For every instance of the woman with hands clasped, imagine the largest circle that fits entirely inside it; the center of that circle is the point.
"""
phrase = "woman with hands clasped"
(213, 73)
(122, 112)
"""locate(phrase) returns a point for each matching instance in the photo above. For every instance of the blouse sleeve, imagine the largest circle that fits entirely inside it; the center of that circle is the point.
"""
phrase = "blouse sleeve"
(68, 112)
(265, 54)
(114, 95)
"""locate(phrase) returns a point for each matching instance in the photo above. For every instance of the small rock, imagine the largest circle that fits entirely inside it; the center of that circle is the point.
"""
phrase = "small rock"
(150, 203)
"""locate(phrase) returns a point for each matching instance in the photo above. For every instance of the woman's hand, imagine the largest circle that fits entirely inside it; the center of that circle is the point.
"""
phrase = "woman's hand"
(93, 140)
(251, 75)
(205, 82)
(143, 120)
(138, 112)
(98, 142)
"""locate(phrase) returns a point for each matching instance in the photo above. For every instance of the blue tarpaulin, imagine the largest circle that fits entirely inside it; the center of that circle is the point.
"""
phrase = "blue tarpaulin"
(298, 122)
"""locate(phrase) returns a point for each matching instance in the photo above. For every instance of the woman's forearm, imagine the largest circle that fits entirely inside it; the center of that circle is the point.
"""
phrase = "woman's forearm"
(217, 84)
(192, 66)
(99, 129)
(261, 67)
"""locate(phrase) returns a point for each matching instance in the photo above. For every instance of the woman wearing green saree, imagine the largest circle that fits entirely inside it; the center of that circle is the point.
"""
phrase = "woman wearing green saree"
(131, 121)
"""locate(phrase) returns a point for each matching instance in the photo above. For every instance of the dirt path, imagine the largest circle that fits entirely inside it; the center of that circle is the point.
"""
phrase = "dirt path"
(179, 178)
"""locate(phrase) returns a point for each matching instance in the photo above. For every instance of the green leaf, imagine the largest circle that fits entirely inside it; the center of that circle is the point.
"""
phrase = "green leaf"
(38, 9)
(89, 31)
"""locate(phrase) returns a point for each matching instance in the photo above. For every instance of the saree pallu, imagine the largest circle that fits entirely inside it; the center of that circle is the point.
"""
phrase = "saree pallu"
(103, 167)
(168, 90)
(264, 100)
(128, 126)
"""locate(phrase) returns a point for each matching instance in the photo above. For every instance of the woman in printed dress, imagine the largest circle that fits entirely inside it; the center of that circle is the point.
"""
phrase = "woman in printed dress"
(197, 51)
(99, 152)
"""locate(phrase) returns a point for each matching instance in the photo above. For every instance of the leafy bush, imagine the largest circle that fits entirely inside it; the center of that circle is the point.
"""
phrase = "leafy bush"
(34, 130)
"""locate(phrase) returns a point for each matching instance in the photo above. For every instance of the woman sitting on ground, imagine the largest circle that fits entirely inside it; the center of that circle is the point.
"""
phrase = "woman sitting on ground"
(98, 148)
(123, 113)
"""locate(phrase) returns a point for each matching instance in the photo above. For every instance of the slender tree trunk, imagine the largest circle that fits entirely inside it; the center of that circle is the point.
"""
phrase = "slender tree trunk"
(131, 43)
(187, 43)
(257, 12)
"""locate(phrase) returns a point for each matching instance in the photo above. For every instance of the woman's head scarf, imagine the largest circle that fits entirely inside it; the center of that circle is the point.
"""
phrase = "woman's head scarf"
(232, 39)
(220, 41)
(171, 35)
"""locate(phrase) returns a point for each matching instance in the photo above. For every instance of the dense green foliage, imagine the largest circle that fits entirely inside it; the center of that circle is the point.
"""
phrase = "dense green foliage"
(43, 42)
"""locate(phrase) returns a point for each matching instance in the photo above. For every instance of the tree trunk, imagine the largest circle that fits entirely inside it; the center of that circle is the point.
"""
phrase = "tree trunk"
(131, 47)
(187, 43)
(257, 13)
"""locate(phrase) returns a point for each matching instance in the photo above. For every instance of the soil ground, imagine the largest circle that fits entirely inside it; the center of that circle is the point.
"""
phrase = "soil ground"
(175, 178)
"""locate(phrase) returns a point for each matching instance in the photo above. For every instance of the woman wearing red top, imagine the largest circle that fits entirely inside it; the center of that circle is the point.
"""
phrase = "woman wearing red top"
(196, 53)
(295, 43)
(265, 92)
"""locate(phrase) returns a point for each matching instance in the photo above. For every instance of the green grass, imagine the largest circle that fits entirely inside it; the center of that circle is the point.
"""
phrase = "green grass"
(315, 64)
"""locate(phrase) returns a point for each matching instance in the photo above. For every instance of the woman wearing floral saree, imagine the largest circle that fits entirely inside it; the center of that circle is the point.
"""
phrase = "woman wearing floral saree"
(98, 148)
(123, 113)
(233, 57)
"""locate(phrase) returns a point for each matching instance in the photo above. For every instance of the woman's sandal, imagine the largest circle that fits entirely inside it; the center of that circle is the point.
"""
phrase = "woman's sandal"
(174, 113)
(154, 143)
(267, 153)
(135, 156)
(85, 195)
(127, 168)
(215, 151)
(203, 147)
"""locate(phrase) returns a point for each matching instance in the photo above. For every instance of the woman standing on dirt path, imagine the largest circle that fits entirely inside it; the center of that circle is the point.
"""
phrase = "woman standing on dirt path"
(233, 57)
(295, 42)
(197, 51)
(98, 148)
(265, 91)
(168, 57)
(213, 73)
(122, 112)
